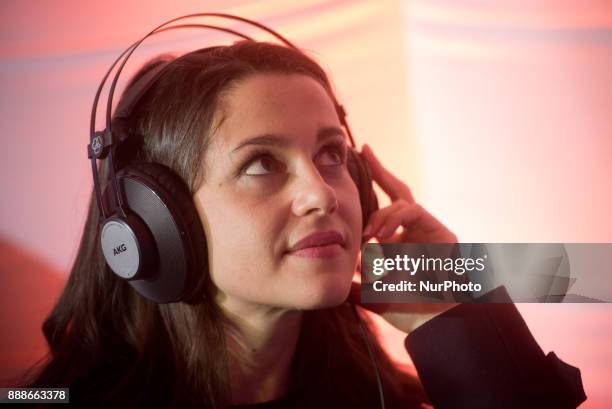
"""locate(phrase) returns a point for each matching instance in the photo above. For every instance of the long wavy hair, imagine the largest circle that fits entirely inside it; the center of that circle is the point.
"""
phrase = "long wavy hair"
(112, 346)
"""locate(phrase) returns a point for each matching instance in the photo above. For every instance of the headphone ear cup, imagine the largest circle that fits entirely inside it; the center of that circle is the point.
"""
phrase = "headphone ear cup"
(128, 247)
(162, 201)
(362, 176)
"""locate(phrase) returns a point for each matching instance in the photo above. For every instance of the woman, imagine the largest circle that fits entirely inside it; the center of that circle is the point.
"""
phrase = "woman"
(252, 130)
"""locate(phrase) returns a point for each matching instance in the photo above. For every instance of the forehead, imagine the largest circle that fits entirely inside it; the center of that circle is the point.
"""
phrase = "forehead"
(294, 106)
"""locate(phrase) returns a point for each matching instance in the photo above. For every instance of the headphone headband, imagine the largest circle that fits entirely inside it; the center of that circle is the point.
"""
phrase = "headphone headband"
(100, 144)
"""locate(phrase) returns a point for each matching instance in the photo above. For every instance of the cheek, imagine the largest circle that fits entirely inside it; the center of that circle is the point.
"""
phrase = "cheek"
(240, 240)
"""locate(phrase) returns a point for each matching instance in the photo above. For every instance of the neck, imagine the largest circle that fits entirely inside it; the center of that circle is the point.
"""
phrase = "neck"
(261, 344)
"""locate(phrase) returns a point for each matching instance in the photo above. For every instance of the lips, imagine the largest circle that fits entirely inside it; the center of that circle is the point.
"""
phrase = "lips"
(318, 239)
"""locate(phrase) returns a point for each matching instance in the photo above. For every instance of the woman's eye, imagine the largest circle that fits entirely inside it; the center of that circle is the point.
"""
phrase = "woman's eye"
(263, 165)
(332, 156)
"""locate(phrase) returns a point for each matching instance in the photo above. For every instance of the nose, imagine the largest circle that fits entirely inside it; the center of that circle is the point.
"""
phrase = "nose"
(313, 194)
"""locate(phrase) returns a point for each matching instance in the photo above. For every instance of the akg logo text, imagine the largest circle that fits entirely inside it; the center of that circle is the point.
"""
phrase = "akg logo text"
(119, 249)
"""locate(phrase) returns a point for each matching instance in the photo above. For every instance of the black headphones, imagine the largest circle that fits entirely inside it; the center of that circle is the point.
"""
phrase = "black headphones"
(151, 233)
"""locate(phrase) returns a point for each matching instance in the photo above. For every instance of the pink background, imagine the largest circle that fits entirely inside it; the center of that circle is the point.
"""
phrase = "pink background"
(496, 115)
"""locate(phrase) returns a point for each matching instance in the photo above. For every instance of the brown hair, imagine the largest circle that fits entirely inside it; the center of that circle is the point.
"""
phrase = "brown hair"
(112, 346)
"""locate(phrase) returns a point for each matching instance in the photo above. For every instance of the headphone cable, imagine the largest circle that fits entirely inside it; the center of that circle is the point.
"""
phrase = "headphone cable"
(372, 356)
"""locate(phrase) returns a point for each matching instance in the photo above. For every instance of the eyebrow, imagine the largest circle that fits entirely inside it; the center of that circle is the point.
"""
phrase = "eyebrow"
(280, 141)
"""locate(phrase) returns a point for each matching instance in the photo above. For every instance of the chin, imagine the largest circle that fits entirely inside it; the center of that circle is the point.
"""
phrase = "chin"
(328, 296)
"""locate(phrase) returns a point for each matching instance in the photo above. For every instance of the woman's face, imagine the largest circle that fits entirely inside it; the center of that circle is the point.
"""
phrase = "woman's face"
(275, 173)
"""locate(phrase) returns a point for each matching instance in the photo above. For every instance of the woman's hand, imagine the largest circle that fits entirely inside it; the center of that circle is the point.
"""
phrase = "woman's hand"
(417, 226)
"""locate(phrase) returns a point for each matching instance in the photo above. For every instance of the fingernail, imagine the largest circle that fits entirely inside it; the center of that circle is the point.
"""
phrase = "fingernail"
(382, 232)
(367, 230)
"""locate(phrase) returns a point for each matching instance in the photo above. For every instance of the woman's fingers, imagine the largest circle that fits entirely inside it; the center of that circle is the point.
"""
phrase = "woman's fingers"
(391, 185)
(384, 222)
(419, 225)
(404, 217)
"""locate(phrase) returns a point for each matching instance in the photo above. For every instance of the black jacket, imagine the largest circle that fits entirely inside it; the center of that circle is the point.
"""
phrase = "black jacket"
(483, 356)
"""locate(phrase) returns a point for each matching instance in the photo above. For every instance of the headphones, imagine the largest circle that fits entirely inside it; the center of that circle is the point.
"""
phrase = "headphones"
(151, 233)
